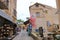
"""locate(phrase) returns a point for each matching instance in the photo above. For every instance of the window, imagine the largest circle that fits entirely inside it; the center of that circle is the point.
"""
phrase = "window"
(6, 2)
(46, 11)
(37, 4)
(37, 14)
(48, 24)
(57, 26)
(14, 12)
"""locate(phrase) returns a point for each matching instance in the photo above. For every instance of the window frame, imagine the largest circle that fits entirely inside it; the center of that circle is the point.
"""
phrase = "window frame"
(14, 12)
(6, 2)
(37, 14)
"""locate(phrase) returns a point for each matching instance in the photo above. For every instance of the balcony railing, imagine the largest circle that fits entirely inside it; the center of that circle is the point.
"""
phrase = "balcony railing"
(2, 5)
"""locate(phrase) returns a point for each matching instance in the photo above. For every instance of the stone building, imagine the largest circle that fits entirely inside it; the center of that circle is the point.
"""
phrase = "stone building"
(8, 7)
(44, 16)
(8, 16)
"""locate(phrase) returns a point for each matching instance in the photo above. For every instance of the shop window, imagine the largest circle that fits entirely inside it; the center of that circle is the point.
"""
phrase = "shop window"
(3, 4)
(15, 2)
(37, 14)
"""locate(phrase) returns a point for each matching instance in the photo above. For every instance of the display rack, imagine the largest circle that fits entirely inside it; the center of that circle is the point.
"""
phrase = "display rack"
(6, 31)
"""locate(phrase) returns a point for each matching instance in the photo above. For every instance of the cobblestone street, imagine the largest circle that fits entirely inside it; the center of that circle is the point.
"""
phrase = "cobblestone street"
(23, 35)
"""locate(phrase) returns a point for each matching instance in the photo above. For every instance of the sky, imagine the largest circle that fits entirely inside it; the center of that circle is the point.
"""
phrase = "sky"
(23, 7)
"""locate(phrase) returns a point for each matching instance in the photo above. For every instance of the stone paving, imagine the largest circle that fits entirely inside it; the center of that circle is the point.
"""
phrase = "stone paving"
(23, 35)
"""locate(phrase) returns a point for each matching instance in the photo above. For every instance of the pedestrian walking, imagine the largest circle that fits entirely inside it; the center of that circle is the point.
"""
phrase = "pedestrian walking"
(23, 35)
(29, 29)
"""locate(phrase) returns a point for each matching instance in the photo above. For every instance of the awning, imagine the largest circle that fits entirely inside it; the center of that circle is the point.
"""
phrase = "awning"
(4, 15)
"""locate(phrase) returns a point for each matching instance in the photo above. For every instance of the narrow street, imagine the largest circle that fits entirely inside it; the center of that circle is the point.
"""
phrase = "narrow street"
(23, 35)
(30, 20)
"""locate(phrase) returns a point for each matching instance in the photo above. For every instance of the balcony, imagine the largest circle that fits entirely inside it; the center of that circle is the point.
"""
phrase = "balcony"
(3, 5)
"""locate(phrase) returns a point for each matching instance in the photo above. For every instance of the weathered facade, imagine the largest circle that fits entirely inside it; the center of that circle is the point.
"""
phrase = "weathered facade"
(8, 7)
(58, 10)
(7, 18)
(44, 16)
